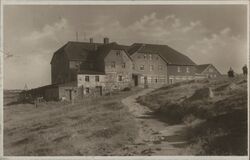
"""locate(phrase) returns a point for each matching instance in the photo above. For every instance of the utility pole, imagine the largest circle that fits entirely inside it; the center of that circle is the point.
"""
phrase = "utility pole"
(77, 36)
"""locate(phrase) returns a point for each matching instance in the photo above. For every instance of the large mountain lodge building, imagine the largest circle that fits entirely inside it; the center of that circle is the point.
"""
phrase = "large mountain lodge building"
(81, 69)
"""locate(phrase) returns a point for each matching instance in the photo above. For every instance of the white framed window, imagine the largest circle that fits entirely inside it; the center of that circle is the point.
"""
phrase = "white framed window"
(151, 67)
(112, 64)
(142, 67)
(118, 53)
(178, 69)
(150, 56)
(123, 65)
(187, 69)
(119, 78)
(87, 90)
(97, 78)
(87, 78)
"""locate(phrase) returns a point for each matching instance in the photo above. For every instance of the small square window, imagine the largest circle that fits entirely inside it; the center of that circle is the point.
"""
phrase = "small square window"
(142, 67)
(119, 78)
(112, 64)
(118, 53)
(87, 90)
(97, 79)
(87, 78)
(150, 57)
(151, 67)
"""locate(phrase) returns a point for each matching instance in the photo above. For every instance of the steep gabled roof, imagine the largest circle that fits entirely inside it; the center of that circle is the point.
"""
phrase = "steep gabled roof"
(170, 55)
(105, 49)
(201, 68)
(78, 50)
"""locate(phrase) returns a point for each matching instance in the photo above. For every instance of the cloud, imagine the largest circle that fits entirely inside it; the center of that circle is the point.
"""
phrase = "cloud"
(31, 54)
(33, 51)
(223, 49)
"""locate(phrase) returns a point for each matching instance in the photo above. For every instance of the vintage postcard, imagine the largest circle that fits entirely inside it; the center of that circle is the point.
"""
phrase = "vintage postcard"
(144, 79)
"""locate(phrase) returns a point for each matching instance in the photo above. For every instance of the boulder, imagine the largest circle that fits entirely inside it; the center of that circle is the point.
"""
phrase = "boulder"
(202, 93)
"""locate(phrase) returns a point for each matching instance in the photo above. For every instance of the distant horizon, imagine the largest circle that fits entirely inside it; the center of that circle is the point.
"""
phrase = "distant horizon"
(215, 34)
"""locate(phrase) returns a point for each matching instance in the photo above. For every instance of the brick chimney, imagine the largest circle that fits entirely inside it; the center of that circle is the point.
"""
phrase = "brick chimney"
(106, 40)
(91, 40)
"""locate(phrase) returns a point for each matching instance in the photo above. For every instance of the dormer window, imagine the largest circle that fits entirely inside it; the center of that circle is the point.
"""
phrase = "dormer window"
(118, 53)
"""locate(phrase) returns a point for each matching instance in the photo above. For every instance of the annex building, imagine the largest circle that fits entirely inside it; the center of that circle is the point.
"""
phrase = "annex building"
(81, 69)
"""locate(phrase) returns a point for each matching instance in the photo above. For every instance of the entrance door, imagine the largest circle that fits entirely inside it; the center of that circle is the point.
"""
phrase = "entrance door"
(100, 89)
(135, 79)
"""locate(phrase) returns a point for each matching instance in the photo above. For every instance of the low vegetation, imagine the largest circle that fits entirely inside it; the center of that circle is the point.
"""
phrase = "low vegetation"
(214, 111)
(93, 126)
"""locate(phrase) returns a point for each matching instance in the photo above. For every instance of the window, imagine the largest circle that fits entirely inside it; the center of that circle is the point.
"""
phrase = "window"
(112, 64)
(118, 53)
(151, 67)
(215, 76)
(87, 78)
(119, 78)
(150, 57)
(160, 67)
(156, 80)
(145, 56)
(123, 65)
(87, 90)
(178, 69)
(187, 69)
(142, 67)
(97, 79)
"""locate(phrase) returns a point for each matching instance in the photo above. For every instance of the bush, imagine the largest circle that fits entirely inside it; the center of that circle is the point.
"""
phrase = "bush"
(126, 89)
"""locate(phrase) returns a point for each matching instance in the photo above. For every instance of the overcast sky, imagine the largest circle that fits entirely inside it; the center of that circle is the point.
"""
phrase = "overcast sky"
(205, 33)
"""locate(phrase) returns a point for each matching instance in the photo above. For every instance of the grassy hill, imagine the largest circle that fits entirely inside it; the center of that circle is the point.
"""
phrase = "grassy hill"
(215, 111)
(91, 127)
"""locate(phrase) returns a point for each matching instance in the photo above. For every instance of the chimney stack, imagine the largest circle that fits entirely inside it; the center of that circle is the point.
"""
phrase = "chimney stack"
(106, 40)
(91, 40)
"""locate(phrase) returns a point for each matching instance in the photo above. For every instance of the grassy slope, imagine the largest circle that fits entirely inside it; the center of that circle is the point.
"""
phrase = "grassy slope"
(217, 125)
(92, 127)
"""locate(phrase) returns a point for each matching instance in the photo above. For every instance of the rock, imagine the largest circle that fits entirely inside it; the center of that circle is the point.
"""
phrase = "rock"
(202, 93)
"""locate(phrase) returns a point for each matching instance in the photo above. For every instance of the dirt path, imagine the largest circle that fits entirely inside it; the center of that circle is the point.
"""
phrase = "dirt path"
(155, 137)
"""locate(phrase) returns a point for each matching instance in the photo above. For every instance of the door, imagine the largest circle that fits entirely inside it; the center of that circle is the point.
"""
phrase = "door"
(135, 79)
(99, 90)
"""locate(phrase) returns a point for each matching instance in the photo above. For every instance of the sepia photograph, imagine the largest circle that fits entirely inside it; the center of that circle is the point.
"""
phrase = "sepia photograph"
(127, 79)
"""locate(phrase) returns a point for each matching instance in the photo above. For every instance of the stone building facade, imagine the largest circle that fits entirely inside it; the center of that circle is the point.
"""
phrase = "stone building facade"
(99, 68)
